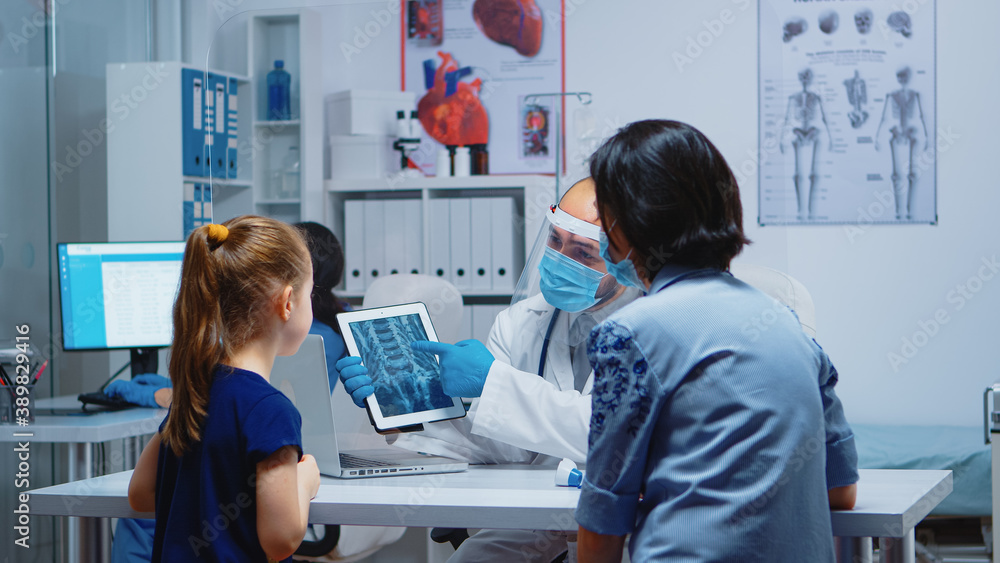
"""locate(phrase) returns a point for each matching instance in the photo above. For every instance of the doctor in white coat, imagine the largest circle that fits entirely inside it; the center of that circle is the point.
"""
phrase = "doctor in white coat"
(517, 416)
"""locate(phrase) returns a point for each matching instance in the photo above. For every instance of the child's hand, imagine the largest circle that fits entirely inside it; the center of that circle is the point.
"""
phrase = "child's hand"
(308, 473)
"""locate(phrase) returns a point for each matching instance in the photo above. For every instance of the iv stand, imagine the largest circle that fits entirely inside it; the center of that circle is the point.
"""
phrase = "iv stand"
(585, 98)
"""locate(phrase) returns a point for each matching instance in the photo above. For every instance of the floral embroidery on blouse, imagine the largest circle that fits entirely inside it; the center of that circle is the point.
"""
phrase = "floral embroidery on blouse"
(620, 373)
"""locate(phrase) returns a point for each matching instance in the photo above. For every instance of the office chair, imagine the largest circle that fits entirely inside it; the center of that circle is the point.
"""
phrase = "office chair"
(321, 546)
(783, 287)
(443, 300)
(455, 536)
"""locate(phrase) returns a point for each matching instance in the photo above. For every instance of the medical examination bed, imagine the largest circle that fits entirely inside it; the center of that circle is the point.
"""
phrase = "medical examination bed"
(958, 448)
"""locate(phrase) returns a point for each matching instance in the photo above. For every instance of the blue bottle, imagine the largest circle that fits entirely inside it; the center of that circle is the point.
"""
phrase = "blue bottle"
(279, 86)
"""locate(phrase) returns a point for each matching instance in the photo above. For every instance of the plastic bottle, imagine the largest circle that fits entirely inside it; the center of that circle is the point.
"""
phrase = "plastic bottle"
(279, 98)
(416, 130)
(402, 125)
(443, 164)
(463, 162)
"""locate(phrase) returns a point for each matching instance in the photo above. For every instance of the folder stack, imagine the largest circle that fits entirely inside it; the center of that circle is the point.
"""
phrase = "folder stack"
(209, 118)
(474, 243)
(209, 107)
(197, 206)
(481, 318)
(193, 133)
(231, 121)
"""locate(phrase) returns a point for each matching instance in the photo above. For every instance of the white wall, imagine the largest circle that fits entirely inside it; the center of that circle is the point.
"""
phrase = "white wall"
(871, 290)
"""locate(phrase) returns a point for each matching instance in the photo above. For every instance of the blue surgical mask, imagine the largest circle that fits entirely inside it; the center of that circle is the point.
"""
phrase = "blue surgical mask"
(567, 284)
(623, 271)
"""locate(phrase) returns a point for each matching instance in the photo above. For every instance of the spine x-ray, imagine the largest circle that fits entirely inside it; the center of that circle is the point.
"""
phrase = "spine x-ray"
(405, 381)
(847, 129)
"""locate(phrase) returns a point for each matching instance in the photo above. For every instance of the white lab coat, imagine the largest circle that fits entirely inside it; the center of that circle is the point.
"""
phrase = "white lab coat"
(538, 414)
(520, 417)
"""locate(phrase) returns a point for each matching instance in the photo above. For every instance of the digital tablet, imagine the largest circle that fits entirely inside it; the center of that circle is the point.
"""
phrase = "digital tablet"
(407, 383)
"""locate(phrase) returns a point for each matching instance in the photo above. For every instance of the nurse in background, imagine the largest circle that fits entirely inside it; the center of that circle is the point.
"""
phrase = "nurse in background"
(706, 443)
(328, 269)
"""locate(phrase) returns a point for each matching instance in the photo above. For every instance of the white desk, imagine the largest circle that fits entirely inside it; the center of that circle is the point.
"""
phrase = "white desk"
(89, 429)
(81, 433)
(890, 502)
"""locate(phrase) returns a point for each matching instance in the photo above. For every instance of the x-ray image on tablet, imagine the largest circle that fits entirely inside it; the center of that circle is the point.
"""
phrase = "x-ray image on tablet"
(407, 383)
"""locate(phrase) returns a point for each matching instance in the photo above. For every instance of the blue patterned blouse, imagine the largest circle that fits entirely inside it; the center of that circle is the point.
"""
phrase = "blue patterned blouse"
(715, 430)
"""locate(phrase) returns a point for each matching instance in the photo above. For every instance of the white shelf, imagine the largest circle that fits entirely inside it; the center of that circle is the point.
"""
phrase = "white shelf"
(391, 183)
(279, 201)
(223, 182)
(238, 77)
(289, 35)
(278, 123)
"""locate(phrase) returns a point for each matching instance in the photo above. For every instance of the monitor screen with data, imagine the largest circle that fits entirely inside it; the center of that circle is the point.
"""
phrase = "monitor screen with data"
(118, 294)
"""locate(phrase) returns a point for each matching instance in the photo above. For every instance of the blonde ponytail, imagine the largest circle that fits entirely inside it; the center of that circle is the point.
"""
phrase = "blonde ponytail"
(229, 274)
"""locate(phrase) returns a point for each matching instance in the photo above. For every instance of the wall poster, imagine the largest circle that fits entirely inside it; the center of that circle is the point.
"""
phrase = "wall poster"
(471, 63)
(848, 121)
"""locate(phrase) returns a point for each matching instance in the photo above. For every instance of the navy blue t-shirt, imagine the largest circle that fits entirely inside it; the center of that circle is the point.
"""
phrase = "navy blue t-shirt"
(206, 500)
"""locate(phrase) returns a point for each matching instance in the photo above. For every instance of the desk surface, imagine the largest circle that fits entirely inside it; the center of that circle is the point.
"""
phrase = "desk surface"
(890, 502)
(89, 429)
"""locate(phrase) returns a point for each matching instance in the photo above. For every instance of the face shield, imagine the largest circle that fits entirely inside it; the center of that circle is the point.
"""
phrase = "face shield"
(564, 268)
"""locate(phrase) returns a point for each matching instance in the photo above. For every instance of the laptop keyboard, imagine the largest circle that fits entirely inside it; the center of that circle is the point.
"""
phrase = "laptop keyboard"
(351, 461)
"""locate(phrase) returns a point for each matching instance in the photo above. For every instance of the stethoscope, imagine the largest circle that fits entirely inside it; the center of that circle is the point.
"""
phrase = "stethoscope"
(545, 344)
(555, 315)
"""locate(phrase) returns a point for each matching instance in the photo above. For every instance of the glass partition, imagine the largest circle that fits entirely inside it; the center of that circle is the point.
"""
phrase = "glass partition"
(53, 55)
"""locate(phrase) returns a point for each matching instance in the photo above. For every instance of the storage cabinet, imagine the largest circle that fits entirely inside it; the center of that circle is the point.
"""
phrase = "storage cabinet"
(474, 231)
(157, 158)
(282, 190)
(176, 131)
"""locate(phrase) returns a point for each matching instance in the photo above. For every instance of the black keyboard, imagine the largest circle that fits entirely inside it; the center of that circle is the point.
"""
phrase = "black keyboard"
(107, 401)
(348, 460)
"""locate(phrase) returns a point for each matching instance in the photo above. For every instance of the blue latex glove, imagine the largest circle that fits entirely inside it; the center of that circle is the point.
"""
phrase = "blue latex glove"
(140, 390)
(355, 377)
(464, 366)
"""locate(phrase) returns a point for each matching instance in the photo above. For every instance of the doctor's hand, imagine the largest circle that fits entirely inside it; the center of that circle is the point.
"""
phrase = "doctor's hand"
(140, 390)
(464, 366)
(355, 377)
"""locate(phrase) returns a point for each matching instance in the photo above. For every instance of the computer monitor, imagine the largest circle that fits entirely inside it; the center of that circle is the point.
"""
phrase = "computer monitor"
(119, 295)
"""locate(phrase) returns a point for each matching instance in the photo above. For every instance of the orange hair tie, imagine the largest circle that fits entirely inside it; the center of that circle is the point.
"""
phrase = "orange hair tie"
(217, 234)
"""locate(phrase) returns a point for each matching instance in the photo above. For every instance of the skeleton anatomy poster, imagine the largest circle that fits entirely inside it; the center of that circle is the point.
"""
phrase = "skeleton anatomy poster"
(847, 112)
(471, 63)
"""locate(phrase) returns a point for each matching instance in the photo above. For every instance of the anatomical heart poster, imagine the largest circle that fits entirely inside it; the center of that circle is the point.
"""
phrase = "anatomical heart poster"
(848, 123)
(471, 63)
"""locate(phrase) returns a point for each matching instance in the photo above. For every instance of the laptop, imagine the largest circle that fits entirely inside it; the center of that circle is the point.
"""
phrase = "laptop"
(303, 379)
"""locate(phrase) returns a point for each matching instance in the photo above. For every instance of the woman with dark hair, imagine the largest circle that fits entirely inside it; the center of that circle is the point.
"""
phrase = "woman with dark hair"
(709, 441)
(328, 268)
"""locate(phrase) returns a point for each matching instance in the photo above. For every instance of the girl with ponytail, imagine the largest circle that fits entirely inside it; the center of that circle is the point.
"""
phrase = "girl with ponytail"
(225, 474)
